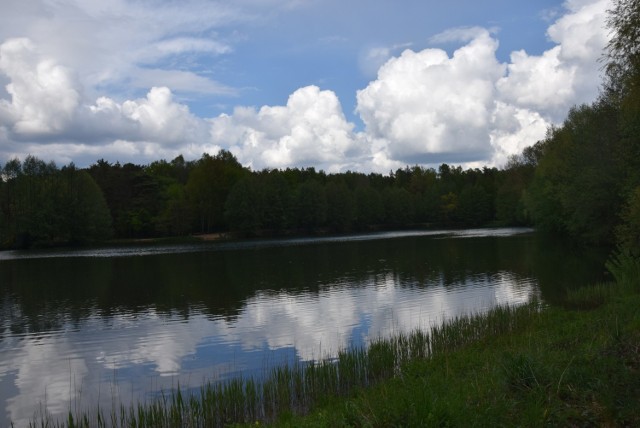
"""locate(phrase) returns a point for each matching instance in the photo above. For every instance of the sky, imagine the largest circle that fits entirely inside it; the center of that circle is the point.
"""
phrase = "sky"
(360, 85)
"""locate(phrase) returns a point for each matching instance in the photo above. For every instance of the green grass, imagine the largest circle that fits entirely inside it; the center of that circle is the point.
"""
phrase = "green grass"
(572, 365)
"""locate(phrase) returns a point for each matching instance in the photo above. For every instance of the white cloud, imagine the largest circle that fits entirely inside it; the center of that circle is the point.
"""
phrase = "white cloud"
(115, 43)
(513, 130)
(181, 45)
(565, 75)
(160, 119)
(428, 106)
(372, 58)
(43, 97)
(45, 114)
(540, 82)
(310, 130)
(461, 34)
(423, 107)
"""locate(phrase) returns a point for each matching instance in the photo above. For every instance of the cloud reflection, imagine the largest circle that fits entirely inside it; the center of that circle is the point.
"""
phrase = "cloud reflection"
(154, 351)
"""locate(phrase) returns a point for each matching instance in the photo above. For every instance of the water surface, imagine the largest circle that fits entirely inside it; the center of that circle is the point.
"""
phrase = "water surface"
(120, 324)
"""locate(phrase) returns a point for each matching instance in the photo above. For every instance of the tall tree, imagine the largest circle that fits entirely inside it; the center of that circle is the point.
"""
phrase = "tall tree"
(311, 205)
(244, 208)
(86, 214)
(340, 206)
(209, 185)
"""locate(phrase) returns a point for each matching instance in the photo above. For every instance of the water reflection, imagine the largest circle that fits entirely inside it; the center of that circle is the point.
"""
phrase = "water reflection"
(75, 331)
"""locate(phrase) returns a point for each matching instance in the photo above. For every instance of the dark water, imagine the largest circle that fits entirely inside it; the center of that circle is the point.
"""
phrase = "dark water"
(120, 324)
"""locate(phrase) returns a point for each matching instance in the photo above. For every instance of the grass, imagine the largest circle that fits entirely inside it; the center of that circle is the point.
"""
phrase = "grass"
(573, 365)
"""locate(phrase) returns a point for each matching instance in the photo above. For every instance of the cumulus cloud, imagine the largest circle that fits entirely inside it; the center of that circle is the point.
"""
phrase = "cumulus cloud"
(45, 114)
(423, 107)
(310, 130)
(429, 107)
(568, 73)
(123, 39)
(43, 98)
(372, 58)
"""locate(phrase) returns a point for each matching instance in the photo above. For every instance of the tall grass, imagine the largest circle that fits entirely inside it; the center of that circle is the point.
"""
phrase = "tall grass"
(296, 388)
(625, 268)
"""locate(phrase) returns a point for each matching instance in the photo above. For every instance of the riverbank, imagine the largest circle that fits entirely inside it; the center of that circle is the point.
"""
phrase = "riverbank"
(575, 364)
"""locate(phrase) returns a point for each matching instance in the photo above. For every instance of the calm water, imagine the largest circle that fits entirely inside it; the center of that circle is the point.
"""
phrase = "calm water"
(120, 324)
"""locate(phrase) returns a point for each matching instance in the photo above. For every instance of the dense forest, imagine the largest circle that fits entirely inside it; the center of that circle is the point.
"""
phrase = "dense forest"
(41, 204)
(582, 180)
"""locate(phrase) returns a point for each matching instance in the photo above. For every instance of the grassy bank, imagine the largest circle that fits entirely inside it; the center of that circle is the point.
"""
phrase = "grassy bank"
(533, 365)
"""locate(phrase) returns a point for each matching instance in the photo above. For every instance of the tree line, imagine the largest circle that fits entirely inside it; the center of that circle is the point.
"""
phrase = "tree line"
(582, 180)
(41, 204)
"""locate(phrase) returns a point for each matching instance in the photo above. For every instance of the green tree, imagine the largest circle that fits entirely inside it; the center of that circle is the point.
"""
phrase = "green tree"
(449, 208)
(173, 215)
(208, 186)
(133, 195)
(244, 206)
(277, 215)
(512, 185)
(87, 216)
(340, 206)
(311, 205)
(369, 210)
(398, 206)
(576, 184)
(628, 232)
(474, 206)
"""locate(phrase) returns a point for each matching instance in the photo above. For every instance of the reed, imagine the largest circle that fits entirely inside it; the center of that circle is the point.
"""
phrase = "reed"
(590, 297)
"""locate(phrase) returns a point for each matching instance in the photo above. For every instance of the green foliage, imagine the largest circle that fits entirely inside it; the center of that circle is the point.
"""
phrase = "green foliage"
(369, 210)
(625, 268)
(588, 297)
(340, 206)
(588, 170)
(623, 50)
(277, 215)
(244, 206)
(522, 372)
(133, 197)
(628, 232)
(398, 206)
(512, 189)
(42, 205)
(208, 187)
(475, 206)
(310, 205)
(86, 213)
(574, 188)
(215, 194)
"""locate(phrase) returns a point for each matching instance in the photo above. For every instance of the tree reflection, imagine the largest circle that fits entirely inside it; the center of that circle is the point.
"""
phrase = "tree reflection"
(44, 294)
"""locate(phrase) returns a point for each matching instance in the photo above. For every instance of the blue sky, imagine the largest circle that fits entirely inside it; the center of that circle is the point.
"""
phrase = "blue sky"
(328, 43)
(352, 84)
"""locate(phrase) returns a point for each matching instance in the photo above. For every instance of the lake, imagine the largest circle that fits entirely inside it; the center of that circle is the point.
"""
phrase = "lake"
(121, 324)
